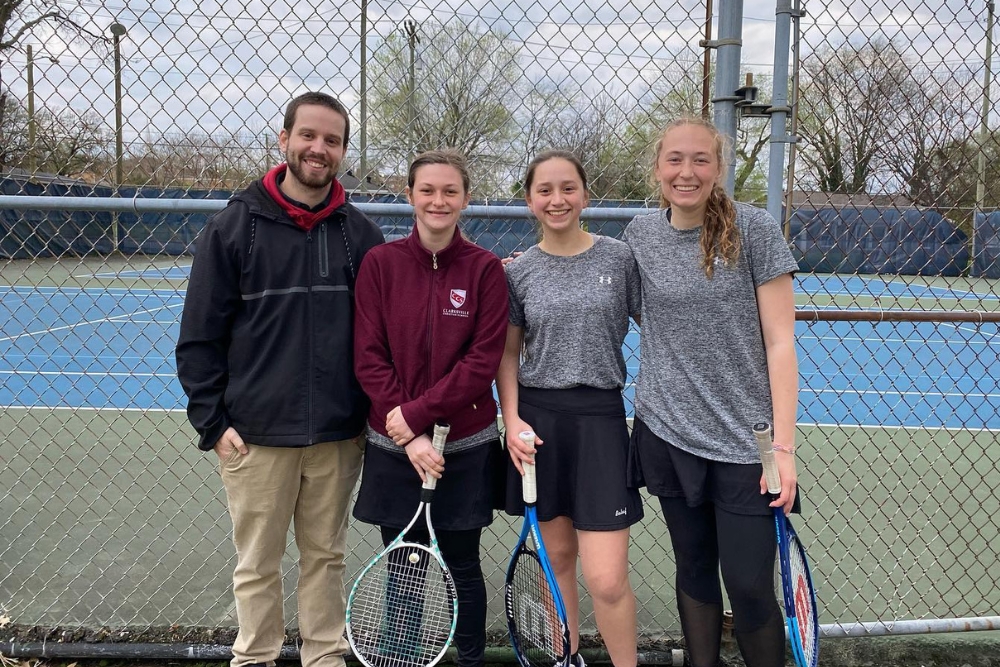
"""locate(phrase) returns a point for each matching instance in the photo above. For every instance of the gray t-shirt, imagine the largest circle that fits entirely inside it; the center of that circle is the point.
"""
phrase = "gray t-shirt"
(703, 380)
(574, 311)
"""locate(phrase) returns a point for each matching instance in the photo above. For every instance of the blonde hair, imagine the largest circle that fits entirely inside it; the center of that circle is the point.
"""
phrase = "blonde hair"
(720, 238)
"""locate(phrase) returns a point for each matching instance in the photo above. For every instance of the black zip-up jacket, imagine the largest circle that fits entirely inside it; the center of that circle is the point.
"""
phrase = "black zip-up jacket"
(266, 339)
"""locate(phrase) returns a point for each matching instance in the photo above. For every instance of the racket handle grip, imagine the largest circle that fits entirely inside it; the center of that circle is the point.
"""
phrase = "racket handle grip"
(762, 432)
(441, 431)
(529, 485)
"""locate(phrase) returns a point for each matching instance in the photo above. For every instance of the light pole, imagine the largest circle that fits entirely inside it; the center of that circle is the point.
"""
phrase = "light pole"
(117, 32)
(984, 129)
(32, 122)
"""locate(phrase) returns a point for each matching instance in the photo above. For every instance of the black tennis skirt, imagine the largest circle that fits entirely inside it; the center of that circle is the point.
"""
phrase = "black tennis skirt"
(671, 472)
(581, 467)
(466, 496)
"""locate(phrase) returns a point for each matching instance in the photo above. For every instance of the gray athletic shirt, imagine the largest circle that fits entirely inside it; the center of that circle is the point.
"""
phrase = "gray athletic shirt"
(574, 311)
(703, 380)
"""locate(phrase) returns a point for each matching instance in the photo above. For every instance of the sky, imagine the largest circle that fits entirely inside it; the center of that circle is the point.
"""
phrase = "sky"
(215, 65)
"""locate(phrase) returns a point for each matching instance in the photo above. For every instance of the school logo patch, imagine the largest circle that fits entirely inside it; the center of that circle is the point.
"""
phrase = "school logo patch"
(457, 297)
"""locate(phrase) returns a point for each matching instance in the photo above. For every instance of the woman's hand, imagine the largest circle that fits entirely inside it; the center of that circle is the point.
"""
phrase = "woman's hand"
(424, 459)
(397, 428)
(519, 450)
(789, 481)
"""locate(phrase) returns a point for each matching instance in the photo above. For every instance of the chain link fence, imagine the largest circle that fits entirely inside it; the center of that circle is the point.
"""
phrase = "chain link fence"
(112, 519)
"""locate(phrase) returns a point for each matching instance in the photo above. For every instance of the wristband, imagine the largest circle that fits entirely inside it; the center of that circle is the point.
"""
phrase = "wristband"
(787, 449)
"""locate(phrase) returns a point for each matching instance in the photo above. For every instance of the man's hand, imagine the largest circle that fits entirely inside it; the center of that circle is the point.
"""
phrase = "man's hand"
(229, 441)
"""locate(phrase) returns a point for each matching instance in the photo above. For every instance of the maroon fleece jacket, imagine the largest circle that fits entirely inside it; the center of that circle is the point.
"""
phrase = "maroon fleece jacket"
(429, 333)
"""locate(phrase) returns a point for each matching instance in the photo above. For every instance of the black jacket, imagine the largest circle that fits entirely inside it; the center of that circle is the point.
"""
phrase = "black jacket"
(265, 344)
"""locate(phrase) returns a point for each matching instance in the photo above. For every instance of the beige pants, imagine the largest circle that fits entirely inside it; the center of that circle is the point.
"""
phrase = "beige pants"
(266, 490)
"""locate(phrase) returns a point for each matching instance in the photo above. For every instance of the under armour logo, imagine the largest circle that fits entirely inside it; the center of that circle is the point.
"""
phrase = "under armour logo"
(604, 280)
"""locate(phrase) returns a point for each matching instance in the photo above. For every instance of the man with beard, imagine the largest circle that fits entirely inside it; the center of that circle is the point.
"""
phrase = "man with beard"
(265, 356)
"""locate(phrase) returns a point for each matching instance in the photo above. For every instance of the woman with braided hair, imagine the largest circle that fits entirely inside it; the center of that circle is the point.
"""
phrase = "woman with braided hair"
(717, 356)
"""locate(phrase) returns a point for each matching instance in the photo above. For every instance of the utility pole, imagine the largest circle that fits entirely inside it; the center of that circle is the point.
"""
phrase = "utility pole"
(984, 127)
(706, 70)
(31, 110)
(117, 32)
(363, 168)
(410, 26)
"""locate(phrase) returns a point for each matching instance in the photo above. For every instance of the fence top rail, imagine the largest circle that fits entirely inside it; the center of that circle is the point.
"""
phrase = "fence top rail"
(182, 205)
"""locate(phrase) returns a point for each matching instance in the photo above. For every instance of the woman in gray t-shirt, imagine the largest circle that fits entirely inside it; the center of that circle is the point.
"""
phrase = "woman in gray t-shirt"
(717, 355)
(570, 299)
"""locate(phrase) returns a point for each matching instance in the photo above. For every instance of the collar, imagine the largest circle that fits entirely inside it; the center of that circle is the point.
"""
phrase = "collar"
(441, 257)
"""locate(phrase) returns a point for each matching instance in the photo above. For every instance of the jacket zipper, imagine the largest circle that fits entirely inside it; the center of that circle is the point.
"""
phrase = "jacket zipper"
(324, 252)
(430, 314)
(312, 365)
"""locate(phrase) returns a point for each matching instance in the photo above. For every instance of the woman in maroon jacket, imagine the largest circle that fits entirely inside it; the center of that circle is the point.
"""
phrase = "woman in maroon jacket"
(430, 327)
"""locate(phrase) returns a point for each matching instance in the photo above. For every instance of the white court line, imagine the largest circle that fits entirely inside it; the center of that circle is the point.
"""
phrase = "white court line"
(865, 392)
(90, 409)
(113, 374)
(893, 427)
(116, 318)
(911, 291)
(939, 341)
(116, 291)
(166, 268)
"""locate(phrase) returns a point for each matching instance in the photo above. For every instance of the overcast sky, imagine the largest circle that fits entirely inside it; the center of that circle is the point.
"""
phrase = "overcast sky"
(213, 65)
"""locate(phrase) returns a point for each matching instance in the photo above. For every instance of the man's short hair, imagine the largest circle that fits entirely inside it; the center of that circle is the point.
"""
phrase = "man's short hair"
(321, 99)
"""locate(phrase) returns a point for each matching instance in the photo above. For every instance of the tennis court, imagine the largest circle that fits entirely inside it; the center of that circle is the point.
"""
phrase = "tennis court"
(110, 346)
(120, 518)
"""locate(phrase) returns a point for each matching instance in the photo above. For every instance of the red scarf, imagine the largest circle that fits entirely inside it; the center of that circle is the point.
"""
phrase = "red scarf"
(303, 218)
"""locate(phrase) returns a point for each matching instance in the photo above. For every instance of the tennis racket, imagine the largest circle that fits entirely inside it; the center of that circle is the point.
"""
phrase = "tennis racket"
(796, 581)
(536, 615)
(403, 608)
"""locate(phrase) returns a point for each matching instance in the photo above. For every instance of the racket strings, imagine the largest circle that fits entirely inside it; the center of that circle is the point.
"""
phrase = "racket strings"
(403, 610)
(802, 597)
(536, 625)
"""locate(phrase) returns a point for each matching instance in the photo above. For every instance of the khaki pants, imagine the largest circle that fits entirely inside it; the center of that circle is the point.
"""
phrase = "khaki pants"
(266, 490)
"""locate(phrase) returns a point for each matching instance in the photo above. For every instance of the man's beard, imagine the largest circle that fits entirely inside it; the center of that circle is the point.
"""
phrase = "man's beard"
(316, 182)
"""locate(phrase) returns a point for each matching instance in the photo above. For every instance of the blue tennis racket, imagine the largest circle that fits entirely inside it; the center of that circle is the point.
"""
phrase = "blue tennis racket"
(403, 608)
(796, 581)
(536, 615)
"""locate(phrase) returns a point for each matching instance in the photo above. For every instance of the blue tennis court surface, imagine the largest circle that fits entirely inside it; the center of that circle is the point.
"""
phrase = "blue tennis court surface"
(114, 348)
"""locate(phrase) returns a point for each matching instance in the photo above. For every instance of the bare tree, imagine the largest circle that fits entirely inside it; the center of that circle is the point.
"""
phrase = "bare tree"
(70, 143)
(18, 18)
(200, 160)
(13, 131)
(937, 118)
(848, 100)
(453, 85)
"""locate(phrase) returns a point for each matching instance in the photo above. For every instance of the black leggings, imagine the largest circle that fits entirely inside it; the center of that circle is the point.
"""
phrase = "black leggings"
(460, 549)
(707, 537)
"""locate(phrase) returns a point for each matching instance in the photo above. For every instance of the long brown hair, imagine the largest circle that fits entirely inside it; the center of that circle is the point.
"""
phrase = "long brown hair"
(545, 156)
(720, 237)
(445, 156)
